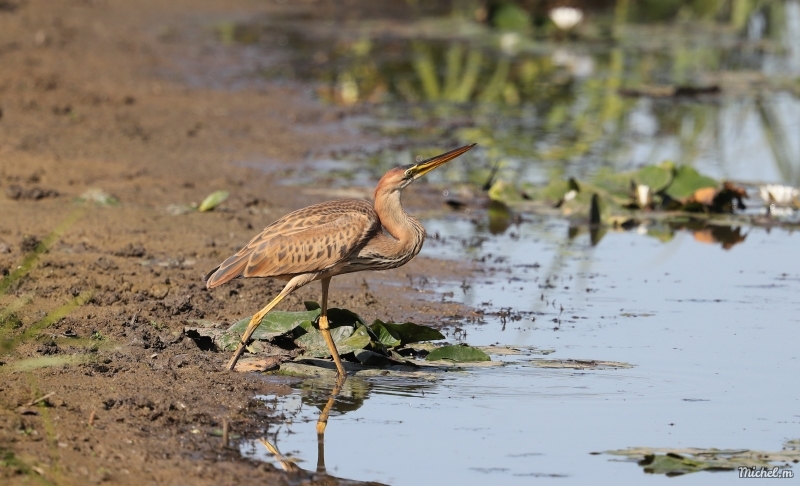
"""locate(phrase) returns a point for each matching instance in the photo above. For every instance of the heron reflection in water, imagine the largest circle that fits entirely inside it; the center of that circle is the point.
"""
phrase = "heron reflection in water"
(321, 472)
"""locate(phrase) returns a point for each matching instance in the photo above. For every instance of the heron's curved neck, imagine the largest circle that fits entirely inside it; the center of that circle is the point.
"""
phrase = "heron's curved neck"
(408, 232)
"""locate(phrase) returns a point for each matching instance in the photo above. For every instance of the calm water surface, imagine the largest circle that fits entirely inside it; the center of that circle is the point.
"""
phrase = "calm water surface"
(712, 332)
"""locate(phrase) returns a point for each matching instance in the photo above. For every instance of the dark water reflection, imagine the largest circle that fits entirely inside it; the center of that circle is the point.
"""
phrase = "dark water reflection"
(716, 90)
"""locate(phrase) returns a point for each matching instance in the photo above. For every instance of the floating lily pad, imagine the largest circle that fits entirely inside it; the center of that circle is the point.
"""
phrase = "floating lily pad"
(675, 462)
(510, 16)
(213, 200)
(386, 336)
(552, 193)
(272, 325)
(457, 353)
(371, 358)
(343, 317)
(656, 177)
(408, 332)
(611, 182)
(676, 465)
(337, 317)
(347, 340)
(686, 181)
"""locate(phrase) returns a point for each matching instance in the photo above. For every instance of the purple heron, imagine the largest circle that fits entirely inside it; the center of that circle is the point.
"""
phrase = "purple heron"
(329, 239)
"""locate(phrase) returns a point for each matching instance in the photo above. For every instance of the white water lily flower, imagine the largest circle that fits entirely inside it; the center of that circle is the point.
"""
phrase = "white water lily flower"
(570, 195)
(776, 194)
(644, 195)
(566, 18)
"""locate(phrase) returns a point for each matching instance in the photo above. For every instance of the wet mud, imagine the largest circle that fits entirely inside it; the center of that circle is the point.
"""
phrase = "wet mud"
(98, 146)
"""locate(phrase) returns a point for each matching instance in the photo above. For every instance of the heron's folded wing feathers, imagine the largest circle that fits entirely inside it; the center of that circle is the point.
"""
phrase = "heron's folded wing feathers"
(309, 240)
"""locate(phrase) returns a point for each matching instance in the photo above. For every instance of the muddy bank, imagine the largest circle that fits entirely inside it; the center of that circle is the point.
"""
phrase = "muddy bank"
(99, 151)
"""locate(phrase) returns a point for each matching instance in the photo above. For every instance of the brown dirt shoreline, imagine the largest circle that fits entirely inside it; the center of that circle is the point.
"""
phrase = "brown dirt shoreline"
(81, 107)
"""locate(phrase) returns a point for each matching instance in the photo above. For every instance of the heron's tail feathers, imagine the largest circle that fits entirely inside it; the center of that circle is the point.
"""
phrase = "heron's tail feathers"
(230, 269)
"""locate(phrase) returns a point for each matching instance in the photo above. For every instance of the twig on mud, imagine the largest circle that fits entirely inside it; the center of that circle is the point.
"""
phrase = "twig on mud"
(225, 438)
(92, 417)
(41, 398)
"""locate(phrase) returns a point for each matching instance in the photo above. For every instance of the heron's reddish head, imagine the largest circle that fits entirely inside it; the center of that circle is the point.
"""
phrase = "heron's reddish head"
(398, 178)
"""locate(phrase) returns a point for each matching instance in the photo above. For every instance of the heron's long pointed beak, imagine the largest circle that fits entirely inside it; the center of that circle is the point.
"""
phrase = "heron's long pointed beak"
(426, 166)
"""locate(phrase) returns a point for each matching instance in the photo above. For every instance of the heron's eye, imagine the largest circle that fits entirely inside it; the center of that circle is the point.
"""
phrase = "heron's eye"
(408, 174)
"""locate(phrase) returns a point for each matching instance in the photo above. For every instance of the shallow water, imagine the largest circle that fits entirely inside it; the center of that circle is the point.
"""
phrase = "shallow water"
(711, 330)
(712, 335)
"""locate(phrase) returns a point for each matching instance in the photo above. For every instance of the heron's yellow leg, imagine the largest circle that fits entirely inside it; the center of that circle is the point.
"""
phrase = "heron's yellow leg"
(251, 328)
(324, 328)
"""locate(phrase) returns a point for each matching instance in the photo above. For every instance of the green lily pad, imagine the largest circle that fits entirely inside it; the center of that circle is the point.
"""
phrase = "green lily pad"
(510, 16)
(346, 339)
(386, 336)
(552, 193)
(457, 353)
(408, 332)
(676, 465)
(337, 317)
(272, 325)
(611, 182)
(343, 317)
(371, 358)
(686, 181)
(655, 177)
(213, 200)
(675, 462)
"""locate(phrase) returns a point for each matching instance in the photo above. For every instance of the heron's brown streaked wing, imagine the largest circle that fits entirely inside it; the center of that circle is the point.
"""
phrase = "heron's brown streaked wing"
(308, 240)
